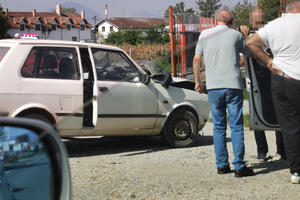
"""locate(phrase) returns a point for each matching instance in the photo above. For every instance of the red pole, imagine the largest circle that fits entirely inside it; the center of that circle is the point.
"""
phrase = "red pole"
(183, 54)
(171, 21)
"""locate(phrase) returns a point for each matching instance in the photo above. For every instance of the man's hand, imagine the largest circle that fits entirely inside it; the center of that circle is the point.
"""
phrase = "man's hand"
(245, 30)
(199, 88)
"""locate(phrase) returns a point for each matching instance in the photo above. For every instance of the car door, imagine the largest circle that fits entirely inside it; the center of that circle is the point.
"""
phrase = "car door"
(125, 104)
(261, 108)
(51, 79)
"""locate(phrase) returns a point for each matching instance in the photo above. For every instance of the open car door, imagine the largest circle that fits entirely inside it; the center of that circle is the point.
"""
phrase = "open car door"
(261, 108)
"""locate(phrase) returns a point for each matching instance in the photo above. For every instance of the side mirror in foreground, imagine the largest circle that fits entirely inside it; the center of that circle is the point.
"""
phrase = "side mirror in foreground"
(33, 161)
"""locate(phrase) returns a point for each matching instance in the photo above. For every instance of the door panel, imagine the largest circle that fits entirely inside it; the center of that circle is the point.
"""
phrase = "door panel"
(124, 102)
(261, 108)
(126, 106)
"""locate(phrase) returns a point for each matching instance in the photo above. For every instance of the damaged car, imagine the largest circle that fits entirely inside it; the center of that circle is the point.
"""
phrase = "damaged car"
(86, 89)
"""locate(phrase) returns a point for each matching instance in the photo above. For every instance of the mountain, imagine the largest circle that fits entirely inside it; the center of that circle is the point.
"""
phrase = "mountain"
(146, 14)
(89, 13)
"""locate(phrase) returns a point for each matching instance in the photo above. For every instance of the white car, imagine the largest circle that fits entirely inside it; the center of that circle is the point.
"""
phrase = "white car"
(86, 89)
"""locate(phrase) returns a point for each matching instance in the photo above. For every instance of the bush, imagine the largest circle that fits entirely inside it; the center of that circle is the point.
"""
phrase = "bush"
(163, 59)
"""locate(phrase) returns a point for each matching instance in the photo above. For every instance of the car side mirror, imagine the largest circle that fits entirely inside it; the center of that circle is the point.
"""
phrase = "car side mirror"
(145, 78)
(164, 78)
(33, 161)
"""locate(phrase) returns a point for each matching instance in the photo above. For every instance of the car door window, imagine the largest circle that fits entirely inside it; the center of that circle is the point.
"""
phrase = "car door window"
(51, 63)
(114, 66)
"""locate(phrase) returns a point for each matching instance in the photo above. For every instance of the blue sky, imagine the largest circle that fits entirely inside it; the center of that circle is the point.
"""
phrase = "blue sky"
(115, 7)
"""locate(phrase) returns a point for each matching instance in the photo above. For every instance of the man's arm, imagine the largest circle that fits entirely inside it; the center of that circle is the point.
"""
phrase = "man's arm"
(255, 44)
(197, 72)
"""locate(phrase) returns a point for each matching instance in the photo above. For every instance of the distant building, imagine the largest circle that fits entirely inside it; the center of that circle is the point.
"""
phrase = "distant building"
(50, 25)
(114, 24)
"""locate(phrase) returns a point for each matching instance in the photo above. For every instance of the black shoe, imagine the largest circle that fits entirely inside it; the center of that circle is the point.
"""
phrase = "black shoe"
(245, 171)
(224, 170)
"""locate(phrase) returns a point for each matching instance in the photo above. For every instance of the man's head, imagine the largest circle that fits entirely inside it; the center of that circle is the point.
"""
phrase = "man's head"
(294, 7)
(223, 17)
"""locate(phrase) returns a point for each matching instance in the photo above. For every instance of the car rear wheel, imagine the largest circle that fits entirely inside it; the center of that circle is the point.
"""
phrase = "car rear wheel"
(38, 117)
(181, 129)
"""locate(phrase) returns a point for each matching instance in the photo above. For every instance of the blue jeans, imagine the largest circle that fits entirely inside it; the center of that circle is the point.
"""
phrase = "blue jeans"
(232, 99)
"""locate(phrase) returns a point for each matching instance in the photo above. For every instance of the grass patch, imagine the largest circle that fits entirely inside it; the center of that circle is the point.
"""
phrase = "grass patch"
(245, 94)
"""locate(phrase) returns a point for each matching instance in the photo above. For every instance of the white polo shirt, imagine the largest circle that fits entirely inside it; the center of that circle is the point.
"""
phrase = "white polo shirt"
(282, 36)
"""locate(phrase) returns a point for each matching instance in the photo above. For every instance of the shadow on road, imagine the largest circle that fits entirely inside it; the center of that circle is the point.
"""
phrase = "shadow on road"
(84, 147)
(270, 166)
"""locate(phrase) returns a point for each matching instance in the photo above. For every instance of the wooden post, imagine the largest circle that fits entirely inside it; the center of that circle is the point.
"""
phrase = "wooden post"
(171, 24)
(183, 52)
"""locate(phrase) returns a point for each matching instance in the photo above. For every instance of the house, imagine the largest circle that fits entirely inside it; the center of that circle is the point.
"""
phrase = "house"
(50, 25)
(114, 24)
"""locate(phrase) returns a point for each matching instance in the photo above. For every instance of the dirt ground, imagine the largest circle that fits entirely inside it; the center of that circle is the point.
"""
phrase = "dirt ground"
(144, 168)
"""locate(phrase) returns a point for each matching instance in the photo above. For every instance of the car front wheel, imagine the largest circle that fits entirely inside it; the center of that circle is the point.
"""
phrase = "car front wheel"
(181, 129)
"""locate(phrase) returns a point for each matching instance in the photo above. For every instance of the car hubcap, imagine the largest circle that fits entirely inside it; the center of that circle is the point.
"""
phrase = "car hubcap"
(182, 129)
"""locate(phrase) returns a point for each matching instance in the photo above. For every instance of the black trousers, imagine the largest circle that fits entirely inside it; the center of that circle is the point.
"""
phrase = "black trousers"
(286, 98)
(262, 144)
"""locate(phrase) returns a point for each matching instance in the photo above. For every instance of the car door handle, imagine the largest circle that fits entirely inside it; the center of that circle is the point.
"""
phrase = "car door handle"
(103, 89)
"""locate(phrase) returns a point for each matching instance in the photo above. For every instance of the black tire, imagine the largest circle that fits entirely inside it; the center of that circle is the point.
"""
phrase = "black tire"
(38, 117)
(181, 129)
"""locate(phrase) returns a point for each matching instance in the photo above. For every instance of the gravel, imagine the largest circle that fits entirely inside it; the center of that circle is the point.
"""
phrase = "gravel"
(144, 168)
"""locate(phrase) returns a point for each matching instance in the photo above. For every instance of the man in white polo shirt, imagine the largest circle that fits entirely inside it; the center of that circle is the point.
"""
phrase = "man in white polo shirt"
(282, 37)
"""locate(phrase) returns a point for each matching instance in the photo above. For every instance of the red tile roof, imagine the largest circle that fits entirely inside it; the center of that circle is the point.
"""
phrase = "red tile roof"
(14, 19)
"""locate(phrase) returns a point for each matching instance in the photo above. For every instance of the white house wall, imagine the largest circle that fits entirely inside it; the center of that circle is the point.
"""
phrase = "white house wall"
(107, 29)
(58, 34)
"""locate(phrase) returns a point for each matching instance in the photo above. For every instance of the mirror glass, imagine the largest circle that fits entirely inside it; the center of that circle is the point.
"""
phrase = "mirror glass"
(25, 167)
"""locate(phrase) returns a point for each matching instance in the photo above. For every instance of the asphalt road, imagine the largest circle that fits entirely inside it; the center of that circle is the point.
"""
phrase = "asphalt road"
(28, 179)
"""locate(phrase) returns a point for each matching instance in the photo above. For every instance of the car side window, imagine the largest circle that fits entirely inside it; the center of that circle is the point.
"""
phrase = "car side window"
(51, 63)
(114, 66)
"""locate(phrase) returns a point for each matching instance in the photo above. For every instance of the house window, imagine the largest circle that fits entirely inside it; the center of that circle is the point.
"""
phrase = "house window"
(22, 27)
(37, 27)
(103, 28)
(53, 27)
(82, 27)
(74, 38)
(68, 27)
(111, 29)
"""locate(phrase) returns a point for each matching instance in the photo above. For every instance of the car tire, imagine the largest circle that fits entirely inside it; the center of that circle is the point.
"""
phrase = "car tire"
(181, 129)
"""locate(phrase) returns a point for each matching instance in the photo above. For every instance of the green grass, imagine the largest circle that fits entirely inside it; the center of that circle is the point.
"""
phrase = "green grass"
(245, 94)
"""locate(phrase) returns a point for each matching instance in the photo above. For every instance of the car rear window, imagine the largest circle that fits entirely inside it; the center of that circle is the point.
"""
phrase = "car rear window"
(51, 63)
(3, 51)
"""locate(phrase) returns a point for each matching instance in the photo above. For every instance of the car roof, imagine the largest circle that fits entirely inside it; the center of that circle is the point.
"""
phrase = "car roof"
(55, 42)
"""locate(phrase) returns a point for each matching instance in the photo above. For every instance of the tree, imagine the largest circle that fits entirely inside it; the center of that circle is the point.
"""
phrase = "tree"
(208, 7)
(270, 8)
(179, 9)
(68, 10)
(241, 12)
(126, 36)
(4, 26)
(157, 34)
